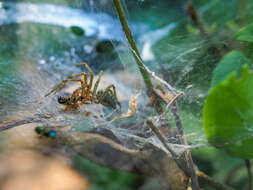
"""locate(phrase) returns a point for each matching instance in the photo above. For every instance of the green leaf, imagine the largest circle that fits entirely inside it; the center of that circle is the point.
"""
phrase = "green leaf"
(228, 115)
(233, 61)
(245, 34)
(77, 30)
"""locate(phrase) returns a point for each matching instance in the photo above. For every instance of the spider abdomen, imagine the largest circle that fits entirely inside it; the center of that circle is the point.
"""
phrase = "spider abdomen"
(107, 100)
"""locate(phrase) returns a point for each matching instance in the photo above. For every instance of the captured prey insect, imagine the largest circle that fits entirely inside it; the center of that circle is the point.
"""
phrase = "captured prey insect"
(44, 132)
(85, 94)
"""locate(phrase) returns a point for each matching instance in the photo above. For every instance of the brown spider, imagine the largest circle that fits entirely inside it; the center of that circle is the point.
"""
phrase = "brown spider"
(85, 94)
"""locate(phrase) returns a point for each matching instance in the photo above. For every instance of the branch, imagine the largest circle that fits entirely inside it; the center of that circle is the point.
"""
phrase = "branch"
(150, 160)
(190, 165)
(211, 182)
(102, 147)
(195, 18)
(186, 164)
(160, 136)
(16, 123)
(200, 24)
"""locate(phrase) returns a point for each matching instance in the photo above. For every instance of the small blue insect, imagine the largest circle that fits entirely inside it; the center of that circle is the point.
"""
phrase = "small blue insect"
(45, 132)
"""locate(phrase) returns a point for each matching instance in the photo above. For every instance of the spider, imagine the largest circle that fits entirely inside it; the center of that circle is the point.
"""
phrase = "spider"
(85, 94)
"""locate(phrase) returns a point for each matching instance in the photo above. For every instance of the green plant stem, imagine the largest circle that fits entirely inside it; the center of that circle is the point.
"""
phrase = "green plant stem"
(132, 44)
(148, 82)
(144, 72)
(248, 166)
(203, 178)
(242, 12)
(233, 173)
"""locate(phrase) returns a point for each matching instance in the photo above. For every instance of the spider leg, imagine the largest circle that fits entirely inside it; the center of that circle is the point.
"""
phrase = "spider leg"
(84, 85)
(113, 93)
(63, 83)
(91, 74)
(96, 84)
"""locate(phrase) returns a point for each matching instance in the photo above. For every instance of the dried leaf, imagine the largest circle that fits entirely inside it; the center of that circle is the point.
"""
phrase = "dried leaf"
(133, 103)
(166, 97)
(132, 108)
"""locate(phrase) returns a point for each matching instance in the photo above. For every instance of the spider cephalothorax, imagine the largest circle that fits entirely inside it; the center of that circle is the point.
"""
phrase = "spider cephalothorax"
(85, 94)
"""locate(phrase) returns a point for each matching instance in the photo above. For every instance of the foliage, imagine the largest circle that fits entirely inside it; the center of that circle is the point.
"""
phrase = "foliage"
(228, 115)
(245, 34)
(233, 61)
(228, 110)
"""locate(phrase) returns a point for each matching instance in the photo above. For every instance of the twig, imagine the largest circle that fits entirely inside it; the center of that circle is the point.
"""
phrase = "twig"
(100, 148)
(248, 166)
(37, 117)
(161, 81)
(201, 176)
(160, 136)
(183, 165)
(190, 165)
(200, 24)
(211, 182)
(194, 15)
(16, 122)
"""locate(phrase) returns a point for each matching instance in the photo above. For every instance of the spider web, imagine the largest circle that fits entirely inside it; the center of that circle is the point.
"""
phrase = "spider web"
(172, 54)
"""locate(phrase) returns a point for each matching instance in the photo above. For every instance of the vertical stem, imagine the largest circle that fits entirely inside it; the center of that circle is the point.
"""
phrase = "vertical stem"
(130, 40)
(136, 54)
(149, 85)
(248, 165)
(194, 16)
(200, 24)
(242, 12)
(211, 182)
(187, 155)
